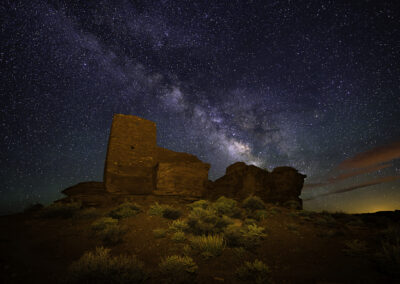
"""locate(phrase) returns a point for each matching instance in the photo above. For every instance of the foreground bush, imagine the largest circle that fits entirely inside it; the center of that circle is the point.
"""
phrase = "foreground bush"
(200, 204)
(247, 236)
(388, 257)
(177, 269)
(108, 230)
(256, 272)
(253, 203)
(125, 210)
(207, 221)
(100, 267)
(227, 206)
(61, 210)
(178, 226)
(165, 211)
(209, 246)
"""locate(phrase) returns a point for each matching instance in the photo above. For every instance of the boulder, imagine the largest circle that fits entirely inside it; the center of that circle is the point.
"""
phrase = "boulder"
(283, 185)
(88, 193)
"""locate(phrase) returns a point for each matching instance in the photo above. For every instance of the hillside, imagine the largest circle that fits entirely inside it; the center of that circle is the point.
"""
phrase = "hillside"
(294, 246)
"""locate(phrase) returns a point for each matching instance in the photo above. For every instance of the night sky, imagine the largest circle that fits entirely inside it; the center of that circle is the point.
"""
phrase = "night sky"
(309, 84)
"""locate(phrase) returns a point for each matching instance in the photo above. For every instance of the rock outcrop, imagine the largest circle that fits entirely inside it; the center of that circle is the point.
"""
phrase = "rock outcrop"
(135, 165)
(282, 185)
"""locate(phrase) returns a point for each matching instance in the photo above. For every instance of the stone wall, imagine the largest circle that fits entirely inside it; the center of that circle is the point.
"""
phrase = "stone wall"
(131, 156)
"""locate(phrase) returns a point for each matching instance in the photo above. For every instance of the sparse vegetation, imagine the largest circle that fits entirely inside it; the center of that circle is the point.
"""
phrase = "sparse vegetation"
(260, 214)
(159, 233)
(108, 230)
(355, 247)
(87, 213)
(165, 211)
(388, 256)
(227, 206)
(253, 203)
(125, 210)
(207, 221)
(178, 225)
(100, 267)
(177, 269)
(61, 210)
(254, 272)
(200, 204)
(178, 237)
(209, 246)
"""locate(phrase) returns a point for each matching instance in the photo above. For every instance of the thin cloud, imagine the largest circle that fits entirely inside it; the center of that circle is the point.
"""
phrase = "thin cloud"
(372, 157)
(354, 187)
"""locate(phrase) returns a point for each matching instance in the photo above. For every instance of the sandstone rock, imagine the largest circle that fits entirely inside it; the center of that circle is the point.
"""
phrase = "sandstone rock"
(284, 184)
(88, 193)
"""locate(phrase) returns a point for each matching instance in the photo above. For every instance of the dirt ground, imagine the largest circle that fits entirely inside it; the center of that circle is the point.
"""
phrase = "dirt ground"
(300, 246)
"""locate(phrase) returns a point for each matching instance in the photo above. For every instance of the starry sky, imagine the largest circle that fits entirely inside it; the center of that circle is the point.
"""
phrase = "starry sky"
(309, 84)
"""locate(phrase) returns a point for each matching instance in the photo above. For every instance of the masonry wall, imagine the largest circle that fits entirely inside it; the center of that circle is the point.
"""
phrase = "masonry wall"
(131, 156)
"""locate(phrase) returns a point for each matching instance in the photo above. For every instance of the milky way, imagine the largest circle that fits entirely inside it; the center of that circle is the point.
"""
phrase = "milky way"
(307, 84)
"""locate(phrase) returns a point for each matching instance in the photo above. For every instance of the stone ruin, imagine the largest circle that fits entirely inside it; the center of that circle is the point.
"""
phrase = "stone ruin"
(135, 165)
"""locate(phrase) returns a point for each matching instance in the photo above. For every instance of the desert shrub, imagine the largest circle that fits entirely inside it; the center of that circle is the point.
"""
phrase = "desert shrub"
(61, 210)
(165, 211)
(209, 246)
(178, 237)
(253, 203)
(177, 269)
(206, 221)
(159, 233)
(178, 225)
(239, 252)
(252, 235)
(200, 204)
(233, 235)
(125, 210)
(260, 214)
(249, 221)
(388, 256)
(247, 236)
(156, 210)
(293, 204)
(187, 250)
(254, 272)
(108, 230)
(100, 267)
(171, 213)
(87, 213)
(355, 247)
(227, 206)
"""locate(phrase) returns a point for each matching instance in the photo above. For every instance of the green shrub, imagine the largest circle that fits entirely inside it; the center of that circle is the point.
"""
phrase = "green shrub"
(171, 213)
(156, 210)
(200, 204)
(260, 215)
(125, 210)
(234, 235)
(108, 230)
(227, 206)
(165, 211)
(207, 221)
(249, 221)
(177, 269)
(61, 210)
(159, 233)
(253, 203)
(256, 272)
(178, 225)
(209, 246)
(252, 235)
(178, 237)
(100, 267)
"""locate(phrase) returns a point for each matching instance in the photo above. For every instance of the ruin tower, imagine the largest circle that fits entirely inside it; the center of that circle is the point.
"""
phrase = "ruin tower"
(131, 156)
